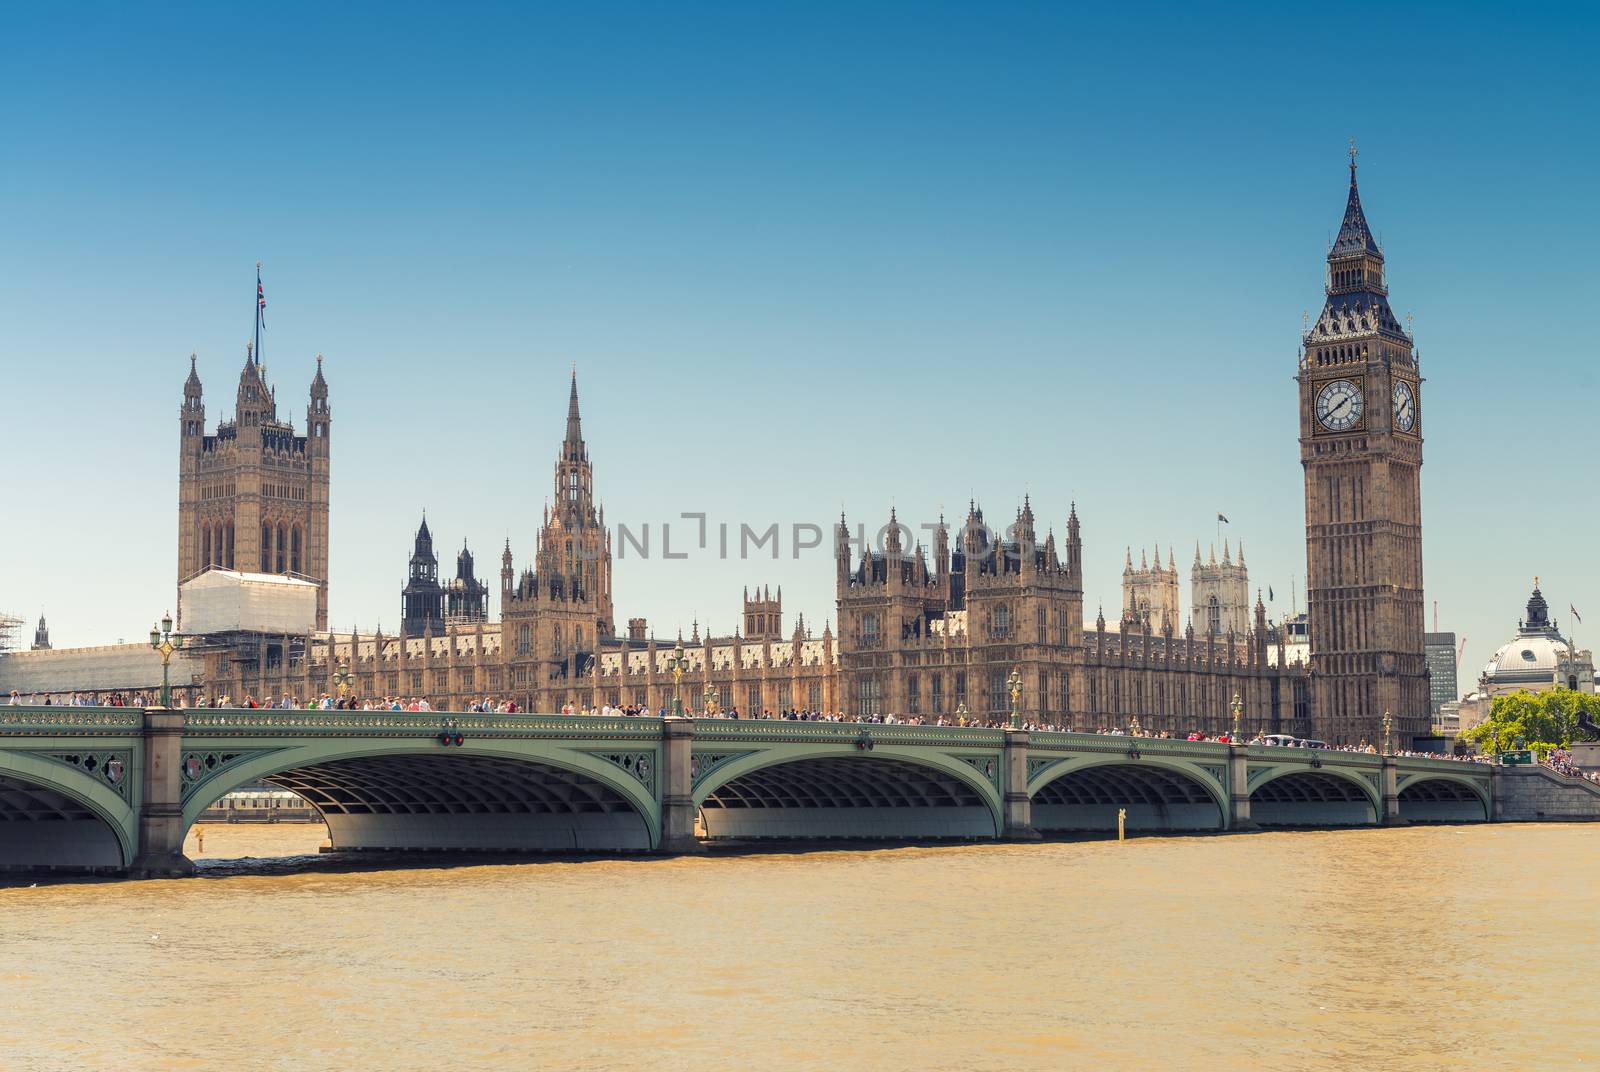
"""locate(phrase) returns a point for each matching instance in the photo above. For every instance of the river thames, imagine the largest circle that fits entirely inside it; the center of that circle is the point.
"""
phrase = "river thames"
(1415, 948)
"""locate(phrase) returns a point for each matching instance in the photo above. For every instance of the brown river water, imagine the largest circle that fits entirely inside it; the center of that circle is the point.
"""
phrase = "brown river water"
(1421, 948)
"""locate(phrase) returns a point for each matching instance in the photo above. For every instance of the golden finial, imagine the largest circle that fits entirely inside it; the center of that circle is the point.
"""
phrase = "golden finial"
(1352, 154)
(1536, 580)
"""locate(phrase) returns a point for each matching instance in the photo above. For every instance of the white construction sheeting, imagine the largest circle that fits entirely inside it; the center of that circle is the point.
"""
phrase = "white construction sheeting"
(225, 601)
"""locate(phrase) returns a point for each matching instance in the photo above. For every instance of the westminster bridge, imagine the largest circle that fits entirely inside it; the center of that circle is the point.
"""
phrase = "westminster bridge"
(116, 789)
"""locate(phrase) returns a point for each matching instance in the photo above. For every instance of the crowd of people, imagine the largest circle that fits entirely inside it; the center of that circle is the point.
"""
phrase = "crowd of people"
(79, 699)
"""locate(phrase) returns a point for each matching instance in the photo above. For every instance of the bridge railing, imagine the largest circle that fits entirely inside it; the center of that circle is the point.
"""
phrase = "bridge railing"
(21, 720)
(270, 722)
(795, 730)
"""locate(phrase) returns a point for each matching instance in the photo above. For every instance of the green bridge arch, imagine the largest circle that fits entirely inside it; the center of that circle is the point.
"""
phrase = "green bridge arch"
(838, 789)
(1310, 792)
(1152, 802)
(414, 793)
(95, 824)
(1443, 807)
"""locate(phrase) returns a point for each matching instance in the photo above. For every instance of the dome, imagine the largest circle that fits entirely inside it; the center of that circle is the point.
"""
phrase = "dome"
(1534, 656)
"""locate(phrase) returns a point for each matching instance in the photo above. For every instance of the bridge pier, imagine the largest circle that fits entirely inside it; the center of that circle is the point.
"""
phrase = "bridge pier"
(677, 787)
(1239, 788)
(1391, 793)
(1017, 805)
(161, 826)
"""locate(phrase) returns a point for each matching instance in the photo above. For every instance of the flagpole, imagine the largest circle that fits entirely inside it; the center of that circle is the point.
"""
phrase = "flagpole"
(258, 312)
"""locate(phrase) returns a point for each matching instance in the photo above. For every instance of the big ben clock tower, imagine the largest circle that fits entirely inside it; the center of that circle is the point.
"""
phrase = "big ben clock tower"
(1361, 446)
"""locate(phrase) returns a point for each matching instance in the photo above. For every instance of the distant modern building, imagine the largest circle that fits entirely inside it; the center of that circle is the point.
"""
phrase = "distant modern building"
(1441, 652)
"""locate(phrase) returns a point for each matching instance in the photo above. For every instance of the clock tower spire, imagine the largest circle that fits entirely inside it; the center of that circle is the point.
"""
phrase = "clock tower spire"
(1361, 448)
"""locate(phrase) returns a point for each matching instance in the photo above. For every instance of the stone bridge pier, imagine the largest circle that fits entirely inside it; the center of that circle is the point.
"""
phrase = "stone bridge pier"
(161, 825)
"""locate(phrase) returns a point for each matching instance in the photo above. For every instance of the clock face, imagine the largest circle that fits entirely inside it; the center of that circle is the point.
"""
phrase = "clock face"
(1405, 406)
(1339, 405)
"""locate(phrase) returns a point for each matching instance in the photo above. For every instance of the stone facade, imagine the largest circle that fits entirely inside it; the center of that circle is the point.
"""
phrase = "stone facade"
(929, 639)
(1361, 449)
(938, 631)
(1221, 593)
(253, 496)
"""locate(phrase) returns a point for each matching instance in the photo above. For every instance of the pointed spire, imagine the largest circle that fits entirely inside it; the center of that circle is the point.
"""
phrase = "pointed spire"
(1354, 234)
(574, 424)
(1197, 552)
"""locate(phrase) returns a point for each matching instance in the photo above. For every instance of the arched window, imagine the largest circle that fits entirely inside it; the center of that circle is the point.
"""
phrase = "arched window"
(869, 629)
(523, 641)
(294, 549)
(266, 548)
(229, 557)
(278, 558)
(205, 546)
(1213, 615)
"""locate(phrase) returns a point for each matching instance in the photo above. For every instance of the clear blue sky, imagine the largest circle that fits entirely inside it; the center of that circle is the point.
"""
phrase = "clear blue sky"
(803, 256)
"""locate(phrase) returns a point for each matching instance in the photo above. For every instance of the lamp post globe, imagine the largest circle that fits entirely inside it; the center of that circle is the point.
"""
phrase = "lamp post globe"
(1015, 683)
(1237, 707)
(165, 642)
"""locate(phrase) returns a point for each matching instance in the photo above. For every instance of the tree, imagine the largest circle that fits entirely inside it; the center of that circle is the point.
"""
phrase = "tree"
(1540, 721)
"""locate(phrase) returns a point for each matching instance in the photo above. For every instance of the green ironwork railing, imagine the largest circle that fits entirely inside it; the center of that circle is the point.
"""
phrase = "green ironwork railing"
(96, 721)
(757, 729)
(254, 722)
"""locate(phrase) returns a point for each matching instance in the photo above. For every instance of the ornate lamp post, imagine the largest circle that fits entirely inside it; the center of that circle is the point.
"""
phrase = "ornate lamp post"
(341, 679)
(1237, 707)
(1134, 729)
(710, 701)
(165, 642)
(1015, 683)
(679, 665)
(1388, 725)
(961, 713)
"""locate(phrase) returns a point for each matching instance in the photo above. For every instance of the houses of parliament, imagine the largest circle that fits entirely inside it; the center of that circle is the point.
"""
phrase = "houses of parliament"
(928, 632)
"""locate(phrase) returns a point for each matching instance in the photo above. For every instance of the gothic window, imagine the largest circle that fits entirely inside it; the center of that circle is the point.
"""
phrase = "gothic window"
(282, 547)
(936, 693)
(558, 638)
(961, 688)
(754, 695)
(785, 698)
(913, 698)
(205, 544)
(1213, 615)
(294, 549)
(1002, 620)
(725, 696)
(867, 699)
(997, 690)
(230, 544)
(1044, 691)
(524, 643)
(1041, 616)
(814, 697)
(869, 628)
(577, 638)
(266, 548)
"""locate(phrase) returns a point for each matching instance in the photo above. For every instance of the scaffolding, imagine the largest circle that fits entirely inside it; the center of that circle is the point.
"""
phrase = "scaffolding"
(10, 629)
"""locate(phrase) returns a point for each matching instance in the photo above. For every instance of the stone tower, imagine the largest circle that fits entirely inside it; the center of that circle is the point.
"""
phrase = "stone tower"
(556, 613)
(1150, 592)
(466, 599)
(422, 599)
(1361, 447)
(254, 496)
(41, 636)
(763, 615)
(1220, 593)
